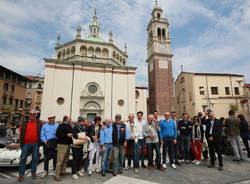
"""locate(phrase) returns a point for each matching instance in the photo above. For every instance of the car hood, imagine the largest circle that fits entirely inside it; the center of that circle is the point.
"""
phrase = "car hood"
(9, 154)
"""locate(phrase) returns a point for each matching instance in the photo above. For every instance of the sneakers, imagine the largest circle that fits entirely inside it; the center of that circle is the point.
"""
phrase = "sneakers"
(44, 175)
(89, 173)
(75, 177)
(97, 170)
(197, 162)
(187, 162)
(136, 170)
(20, 178)
(210, 165)
(103, 174)
(128, 167)
(80, 173)
(173, 166)
(164, 166)
(161, 169)
(220, 168)
(194, 161)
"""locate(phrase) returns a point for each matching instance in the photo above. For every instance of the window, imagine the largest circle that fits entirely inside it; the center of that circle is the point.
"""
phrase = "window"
(21, 104)
(120, 102)
(214, 90)
(60, 101)
(137, 94)
(4, 99)
(92, 88)
(16, 103)
(163, 33)
(39, 86)
(227, 91)
(10, 101)
(202, 90)
(7, 76)
(236, 91)
(158, 15)
(159, 32)
(12, 88)
(5, 86)
(13, 78)
(178, 100)
(37, 108)
(190, 96)
(1, 75)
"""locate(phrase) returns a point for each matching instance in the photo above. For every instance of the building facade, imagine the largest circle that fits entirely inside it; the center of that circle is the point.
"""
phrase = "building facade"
(159, 59)
(34, 94)
(141, 100)
(197, 92)
(13, 88)
(89, 77)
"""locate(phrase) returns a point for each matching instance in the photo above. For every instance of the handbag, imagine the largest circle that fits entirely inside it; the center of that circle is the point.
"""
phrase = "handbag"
(79, 141)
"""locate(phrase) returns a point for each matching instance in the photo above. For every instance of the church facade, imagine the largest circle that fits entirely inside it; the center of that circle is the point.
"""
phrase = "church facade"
(89, 77)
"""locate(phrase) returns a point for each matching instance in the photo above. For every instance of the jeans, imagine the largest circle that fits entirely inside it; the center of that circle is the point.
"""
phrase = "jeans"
(235, 142)
(132, 148)
(140, 144)
(77, 159)
(26, 149)
(106, 157)
(214, 146)
(118, 158)
(156, 147)
(168, 144)
(245, 141)
(185, 146)
(49, 153)
(95, 149)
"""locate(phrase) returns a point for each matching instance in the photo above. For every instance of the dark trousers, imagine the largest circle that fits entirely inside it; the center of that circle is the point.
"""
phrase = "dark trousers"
(176, 149)
(150, 148)
(215, 147)
(185, 146)
(141, 144)
(168, 144)
(131, 147)
(77, 159)
(245, 141)
(49, 153)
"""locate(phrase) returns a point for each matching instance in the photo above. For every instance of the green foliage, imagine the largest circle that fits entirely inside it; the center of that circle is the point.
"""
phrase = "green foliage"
(234, 107)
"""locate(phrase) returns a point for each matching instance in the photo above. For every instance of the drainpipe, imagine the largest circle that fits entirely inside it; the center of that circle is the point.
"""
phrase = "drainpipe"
(72, 88)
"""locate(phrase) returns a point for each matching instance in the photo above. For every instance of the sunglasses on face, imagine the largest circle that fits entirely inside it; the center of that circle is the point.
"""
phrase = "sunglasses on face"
(32, 114)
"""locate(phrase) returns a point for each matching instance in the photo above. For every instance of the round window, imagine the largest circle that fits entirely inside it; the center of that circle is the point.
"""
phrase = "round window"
(121, 102)
(60, 101)
(92, 88)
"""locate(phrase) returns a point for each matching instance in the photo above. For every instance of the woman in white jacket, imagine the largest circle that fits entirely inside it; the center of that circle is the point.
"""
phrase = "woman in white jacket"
(197, 139)
(133, 135)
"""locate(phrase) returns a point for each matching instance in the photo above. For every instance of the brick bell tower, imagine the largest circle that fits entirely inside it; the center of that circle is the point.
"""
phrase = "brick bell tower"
(160, 76)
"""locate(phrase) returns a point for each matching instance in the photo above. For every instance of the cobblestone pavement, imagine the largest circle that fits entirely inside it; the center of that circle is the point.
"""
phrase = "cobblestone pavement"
(234, 173)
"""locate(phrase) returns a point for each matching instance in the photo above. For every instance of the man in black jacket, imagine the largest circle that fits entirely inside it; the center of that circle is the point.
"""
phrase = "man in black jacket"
(119, 137)
(64, 135)
(214, 139)
(185, 128)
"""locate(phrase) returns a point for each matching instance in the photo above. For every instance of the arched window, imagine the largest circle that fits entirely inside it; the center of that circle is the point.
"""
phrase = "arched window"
(158, 15)
(83, 50)
(159, 32)
(59, 55)
(72, 51)
(163, 33)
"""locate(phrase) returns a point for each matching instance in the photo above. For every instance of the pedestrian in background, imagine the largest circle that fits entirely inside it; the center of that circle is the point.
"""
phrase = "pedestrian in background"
(244, 133)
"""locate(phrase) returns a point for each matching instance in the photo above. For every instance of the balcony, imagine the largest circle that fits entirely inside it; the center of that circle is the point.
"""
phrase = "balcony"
(12, 94)
(5, 92)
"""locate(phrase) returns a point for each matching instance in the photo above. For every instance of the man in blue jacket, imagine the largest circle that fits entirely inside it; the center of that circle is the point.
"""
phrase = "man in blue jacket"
(168, 135)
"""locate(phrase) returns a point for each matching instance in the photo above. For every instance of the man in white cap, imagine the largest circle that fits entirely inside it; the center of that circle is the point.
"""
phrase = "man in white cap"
(49, 140)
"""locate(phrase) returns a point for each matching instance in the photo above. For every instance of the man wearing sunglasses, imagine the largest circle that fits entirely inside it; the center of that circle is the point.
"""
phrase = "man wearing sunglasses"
(29, 142)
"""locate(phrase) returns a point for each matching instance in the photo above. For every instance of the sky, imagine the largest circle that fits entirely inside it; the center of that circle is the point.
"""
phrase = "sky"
(207, 35)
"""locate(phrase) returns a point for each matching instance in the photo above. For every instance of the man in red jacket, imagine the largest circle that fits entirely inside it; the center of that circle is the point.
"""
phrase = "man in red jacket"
(29, 142)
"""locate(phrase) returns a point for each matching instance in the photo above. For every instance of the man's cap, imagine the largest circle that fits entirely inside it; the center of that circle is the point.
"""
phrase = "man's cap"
(200, 114)
(118, 116)
(51, 116)
(80, 118)
(209, 111)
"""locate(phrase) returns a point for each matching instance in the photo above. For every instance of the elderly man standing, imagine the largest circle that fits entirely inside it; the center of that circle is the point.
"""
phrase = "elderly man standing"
(106, 143)
(150, 131)
(168, 135)
(48, 137)
(120, 136)
(233, 125)
(29, 142)
(64, 135)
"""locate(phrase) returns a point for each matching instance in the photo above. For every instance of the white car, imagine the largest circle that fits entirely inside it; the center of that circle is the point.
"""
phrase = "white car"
(10, 157)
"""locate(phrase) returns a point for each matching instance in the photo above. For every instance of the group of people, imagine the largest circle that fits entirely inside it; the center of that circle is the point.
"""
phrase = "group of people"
(113, 140)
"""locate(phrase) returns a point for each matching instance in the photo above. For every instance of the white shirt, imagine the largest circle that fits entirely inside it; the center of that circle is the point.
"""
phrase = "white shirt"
(140, 125)
(211, 128)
